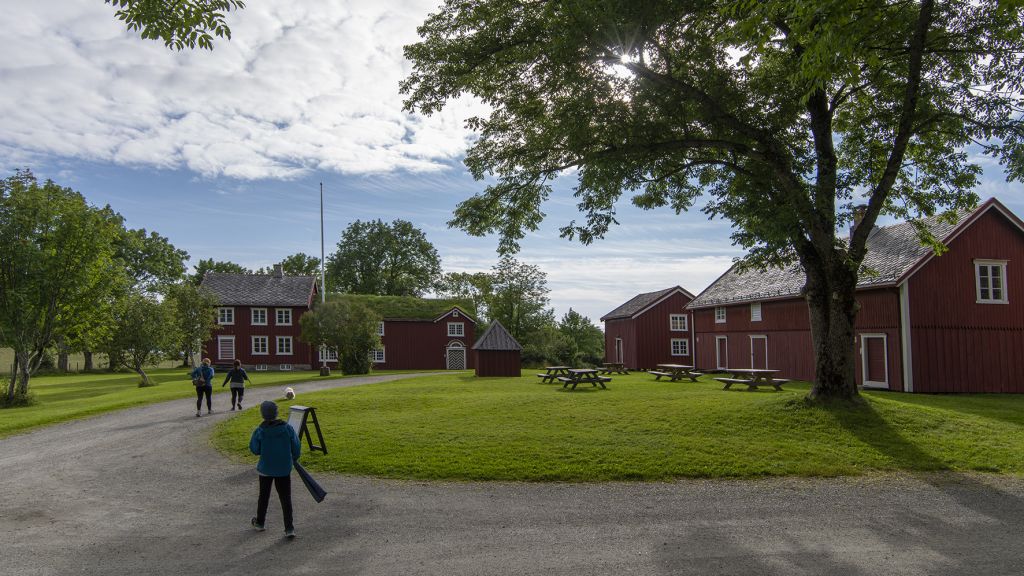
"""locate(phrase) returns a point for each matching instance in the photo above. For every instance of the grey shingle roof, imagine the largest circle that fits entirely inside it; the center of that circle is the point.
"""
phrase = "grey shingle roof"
(259, 289)
(891, 252)
(496, 338)
(638, 303)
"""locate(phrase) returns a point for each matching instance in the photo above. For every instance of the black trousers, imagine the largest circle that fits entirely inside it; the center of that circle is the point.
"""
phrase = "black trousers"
(200, 392)
(284, 492)
(236, 396)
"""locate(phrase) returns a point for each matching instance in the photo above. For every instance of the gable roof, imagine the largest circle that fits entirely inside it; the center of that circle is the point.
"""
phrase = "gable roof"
(496, 337)
(893, 253)
(259, 289)
(410, 307)
(642, 302)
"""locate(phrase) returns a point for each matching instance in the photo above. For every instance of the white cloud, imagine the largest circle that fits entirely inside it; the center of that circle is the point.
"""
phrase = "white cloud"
(301, 86)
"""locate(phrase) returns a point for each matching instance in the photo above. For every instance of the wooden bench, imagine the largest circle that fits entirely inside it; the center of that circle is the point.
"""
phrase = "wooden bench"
(753, 384)
(658, 375)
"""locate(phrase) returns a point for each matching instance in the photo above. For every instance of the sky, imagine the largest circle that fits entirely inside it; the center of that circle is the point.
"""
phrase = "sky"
(223, 151)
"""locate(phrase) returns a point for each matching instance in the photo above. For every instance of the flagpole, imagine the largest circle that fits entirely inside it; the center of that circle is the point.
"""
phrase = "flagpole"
(324, 370)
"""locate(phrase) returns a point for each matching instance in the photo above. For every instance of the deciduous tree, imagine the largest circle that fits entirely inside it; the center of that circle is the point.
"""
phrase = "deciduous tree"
(348, 327)
(298, 264)
(519, 298)
(179, 23)
(196, 317)
(145, 331)
(211, 265)
(393, 259)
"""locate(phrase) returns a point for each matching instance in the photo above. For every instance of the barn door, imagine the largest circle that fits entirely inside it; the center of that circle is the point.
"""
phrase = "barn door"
(874, 361)
(759, 352)
(618, 350)
(721, 352)
(456, 356)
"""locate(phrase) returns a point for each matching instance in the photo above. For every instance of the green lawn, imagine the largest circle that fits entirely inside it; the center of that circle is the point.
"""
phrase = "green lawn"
(464, 428)
(69, 396)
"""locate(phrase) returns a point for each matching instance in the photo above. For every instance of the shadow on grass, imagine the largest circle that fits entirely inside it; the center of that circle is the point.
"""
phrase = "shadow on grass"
(1003, 407)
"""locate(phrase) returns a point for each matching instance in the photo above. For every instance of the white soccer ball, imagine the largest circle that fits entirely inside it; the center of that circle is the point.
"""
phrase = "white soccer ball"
(289, 393)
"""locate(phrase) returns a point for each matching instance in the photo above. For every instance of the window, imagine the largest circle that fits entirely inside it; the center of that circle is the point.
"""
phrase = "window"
(380, 329)
(377, 356)
(719, 314)
(225, 347)
(260, 345)
(677, 322)
(261, 367)
(284, 345)
(990, 278)
(259, 316)
(328, 354)
(285, 367)
(225, 315)
(755, 311)
(456, 329)
(284, 316)
(680, 346)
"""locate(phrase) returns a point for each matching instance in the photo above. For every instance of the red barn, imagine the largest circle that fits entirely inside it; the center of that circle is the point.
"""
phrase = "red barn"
(927, 323)
(258, 316)
(650, 329)
(497, 352)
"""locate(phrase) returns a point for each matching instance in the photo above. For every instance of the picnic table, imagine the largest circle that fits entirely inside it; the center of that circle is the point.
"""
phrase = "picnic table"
(675, 372)
(752, 378)
(552, 373)
(583, 376)
(617, 367)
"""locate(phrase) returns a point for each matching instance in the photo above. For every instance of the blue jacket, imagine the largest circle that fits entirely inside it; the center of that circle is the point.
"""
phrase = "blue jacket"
(205, 371)
(277, 445)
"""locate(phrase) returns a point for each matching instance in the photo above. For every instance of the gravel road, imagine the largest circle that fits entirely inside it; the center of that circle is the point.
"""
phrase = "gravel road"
(142, 492)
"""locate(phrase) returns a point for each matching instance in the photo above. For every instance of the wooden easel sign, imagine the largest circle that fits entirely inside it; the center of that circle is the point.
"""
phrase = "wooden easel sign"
(298, 418)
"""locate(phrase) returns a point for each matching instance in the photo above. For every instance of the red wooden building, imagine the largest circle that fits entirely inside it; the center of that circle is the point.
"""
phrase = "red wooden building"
(497, 353)
(927, 323)
(258, 316)
(650, 329)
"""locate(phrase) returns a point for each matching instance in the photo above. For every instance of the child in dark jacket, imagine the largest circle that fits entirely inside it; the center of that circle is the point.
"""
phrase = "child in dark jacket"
(278, 446)
(237, 376)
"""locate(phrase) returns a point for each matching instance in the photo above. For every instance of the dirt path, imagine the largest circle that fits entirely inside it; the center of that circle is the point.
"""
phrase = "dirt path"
(142, 492)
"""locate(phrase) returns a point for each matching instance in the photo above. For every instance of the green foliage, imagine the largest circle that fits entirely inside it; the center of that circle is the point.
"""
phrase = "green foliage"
(298, 264)
(348, 326)
(519, 298)
(409, 307)
(196, 317)
(393, 259)
(150, 260)
(145, 331)
(211, 265)
(582, 342)
(179, 23)
(475, 287)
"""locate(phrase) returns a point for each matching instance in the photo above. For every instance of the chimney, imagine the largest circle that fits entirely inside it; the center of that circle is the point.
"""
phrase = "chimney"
(278, 271)
(858, 215)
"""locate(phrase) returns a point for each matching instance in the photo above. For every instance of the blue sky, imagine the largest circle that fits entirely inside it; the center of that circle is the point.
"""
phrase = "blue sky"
(223, 151)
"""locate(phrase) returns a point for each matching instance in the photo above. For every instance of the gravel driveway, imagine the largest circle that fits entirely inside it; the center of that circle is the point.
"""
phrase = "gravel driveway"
(142, 492)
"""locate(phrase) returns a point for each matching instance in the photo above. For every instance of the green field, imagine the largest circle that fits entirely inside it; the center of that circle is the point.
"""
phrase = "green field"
(464, 428)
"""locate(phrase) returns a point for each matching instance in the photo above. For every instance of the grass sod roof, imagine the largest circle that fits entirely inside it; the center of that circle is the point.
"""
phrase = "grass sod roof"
(408, 307)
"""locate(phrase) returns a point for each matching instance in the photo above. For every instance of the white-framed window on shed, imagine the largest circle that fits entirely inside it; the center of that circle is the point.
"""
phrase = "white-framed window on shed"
(719, 314)
(377, 356)
(259, 316)
(225, 347)
(225, 315)
(755, 311)
(677, 322)
(680, 346)
(284, 316)
(990, 280)
(456, 329)
(260, 345)
(284, 345)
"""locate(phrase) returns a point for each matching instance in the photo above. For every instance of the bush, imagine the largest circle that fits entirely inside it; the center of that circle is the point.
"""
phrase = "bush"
(19, 401)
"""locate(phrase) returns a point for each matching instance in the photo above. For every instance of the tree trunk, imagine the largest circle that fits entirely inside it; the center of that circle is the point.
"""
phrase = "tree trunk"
(142, 374)
(24, 371)
(87, 355)
(14, 380)
(832, 307)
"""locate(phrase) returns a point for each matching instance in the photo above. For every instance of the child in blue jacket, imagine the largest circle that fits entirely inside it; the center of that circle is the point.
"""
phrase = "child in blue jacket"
(278, 446)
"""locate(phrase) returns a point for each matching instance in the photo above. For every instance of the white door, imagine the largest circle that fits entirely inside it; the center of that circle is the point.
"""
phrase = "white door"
(456, 358)
(722, 352)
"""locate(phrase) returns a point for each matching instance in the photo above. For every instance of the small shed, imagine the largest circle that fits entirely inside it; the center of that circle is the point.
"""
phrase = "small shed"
(497, 352)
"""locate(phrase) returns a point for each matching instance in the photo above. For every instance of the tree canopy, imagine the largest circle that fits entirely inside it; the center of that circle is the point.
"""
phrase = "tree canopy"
(298, 264)
(211, 265)
(179, 23)
(393, 259)
(780, 115)
(347, 326)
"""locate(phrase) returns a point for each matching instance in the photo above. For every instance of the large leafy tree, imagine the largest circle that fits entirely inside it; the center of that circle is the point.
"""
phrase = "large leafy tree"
(196, 318)
(519, 298)
(374, 257)
(781, 114)
(145, 331)
(211, 265)
(179, 23)
(346, 326)
(298, 264)
(582, 342)
(473, 286)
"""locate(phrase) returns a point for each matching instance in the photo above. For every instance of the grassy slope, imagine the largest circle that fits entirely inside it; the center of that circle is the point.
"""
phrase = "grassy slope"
(460, 427)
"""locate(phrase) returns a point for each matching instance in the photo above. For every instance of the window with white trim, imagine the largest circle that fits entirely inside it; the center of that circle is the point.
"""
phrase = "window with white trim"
(259, 316)
(225, 347)
(225, 316)
(260, 345)
(677, 322)
(755, 311)
(328, 354)
(380, 328)
(284, 316)
(377, 356)
(456, 329)
(719, 314)
(990, 281)
(680, 346)
(284, 345)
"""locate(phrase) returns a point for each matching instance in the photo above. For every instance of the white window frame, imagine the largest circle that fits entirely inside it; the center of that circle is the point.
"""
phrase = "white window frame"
(220, 348)
(279, 349)
(673, 325)
(328, 354)
(684, 343)
(456, 329)
(254, 320)
(277, 316)
(266, 345)
(719, 314)
(755, 311)
(380, 328)
(989, 265)
(260, 367)
(225, 312)
(377, 356)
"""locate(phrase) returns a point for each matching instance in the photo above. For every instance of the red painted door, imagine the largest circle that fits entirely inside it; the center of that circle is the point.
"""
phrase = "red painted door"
(722, 352)
(874, 363)
(759, 352)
